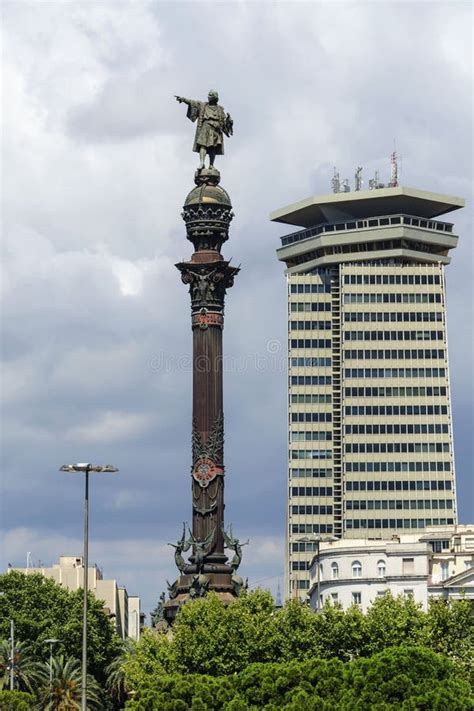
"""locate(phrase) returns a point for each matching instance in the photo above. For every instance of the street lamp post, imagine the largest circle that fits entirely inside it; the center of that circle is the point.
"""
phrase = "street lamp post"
(86, 468)
(12, 655)
(12, 651)
(51, 642)
(318, 577)
(11, 659)
(317, 539)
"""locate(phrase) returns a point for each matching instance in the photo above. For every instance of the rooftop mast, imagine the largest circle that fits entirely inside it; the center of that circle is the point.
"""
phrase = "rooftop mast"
(394, 173)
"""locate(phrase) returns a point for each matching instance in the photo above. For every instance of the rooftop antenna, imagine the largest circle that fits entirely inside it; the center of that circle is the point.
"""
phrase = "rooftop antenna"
(374, 183)
(358, 178)
(346, 188)
(336, 182)
(394, 170)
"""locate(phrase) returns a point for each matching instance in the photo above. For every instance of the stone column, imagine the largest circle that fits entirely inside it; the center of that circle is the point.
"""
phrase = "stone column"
(207, 213)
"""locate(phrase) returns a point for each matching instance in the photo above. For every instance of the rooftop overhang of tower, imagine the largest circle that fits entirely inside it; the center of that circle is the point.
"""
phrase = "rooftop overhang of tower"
(336, 207)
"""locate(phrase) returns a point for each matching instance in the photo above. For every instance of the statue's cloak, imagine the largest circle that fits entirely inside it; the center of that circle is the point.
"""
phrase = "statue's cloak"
(212, 123)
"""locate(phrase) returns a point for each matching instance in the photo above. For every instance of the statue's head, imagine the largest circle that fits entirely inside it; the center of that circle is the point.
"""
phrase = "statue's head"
(213, 96)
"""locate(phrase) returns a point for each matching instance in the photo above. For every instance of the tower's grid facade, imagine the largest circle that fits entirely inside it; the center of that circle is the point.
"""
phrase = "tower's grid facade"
(369, 415)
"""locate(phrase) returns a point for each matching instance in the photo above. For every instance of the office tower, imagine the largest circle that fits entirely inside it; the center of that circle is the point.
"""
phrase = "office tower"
(370, 431)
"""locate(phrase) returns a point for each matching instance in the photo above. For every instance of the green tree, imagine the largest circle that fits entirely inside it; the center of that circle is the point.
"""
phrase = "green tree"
(340, 634)
(399, 678)
(405, 678)
(296, 632)
(255, 623)
(42, 609)
(16, 701)
(25, 668)
(64, 691)
(450, 630)
(176, 691)
(116, 683)
(153, 657)
(392, 621)
(209, 638)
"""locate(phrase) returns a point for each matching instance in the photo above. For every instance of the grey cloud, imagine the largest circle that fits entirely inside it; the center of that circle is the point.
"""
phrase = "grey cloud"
(95, 320)
(127, 109)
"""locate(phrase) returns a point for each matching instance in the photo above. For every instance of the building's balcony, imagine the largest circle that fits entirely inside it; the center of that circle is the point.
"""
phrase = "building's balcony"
(399, 238)
(372, 223)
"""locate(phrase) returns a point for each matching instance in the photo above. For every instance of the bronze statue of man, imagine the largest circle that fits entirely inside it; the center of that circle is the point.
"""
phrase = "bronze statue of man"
(212, 124)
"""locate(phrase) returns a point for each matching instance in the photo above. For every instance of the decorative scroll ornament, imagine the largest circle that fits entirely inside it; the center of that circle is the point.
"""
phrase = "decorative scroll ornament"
(205, 498)
(204, 510)
(207, 457)
(203, 285)
(207, 284)
(206, 318)
(204, 471)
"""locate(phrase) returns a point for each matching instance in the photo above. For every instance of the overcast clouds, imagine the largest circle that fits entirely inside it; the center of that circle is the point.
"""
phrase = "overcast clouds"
(96, 163)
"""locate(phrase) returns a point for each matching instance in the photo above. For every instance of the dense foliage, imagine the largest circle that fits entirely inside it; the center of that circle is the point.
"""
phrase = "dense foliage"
(211, 639)
(64, 692)
(26, 673)
(240, 658)
(16, 701)
(397, 679)
(214, 652)
(41, 609)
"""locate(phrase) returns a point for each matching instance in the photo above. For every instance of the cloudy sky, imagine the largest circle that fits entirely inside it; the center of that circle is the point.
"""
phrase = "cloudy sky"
(96, 163)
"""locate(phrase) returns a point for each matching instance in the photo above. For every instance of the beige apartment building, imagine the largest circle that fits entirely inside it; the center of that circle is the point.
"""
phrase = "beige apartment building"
(122, 608)
(369, 416)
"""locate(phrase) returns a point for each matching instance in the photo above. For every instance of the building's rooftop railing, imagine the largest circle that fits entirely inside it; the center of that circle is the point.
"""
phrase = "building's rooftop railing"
(370, 222)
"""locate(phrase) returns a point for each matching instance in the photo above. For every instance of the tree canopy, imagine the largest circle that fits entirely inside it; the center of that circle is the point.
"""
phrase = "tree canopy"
(16, 701)
(293, 658)
(242, 657)
(41, 609)
(403, 678)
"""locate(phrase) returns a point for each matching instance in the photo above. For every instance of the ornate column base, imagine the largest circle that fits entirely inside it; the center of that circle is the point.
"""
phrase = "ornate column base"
(191, 586)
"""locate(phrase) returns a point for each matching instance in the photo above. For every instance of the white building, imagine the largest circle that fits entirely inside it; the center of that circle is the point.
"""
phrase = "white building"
(123, 609)
(438, 562)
